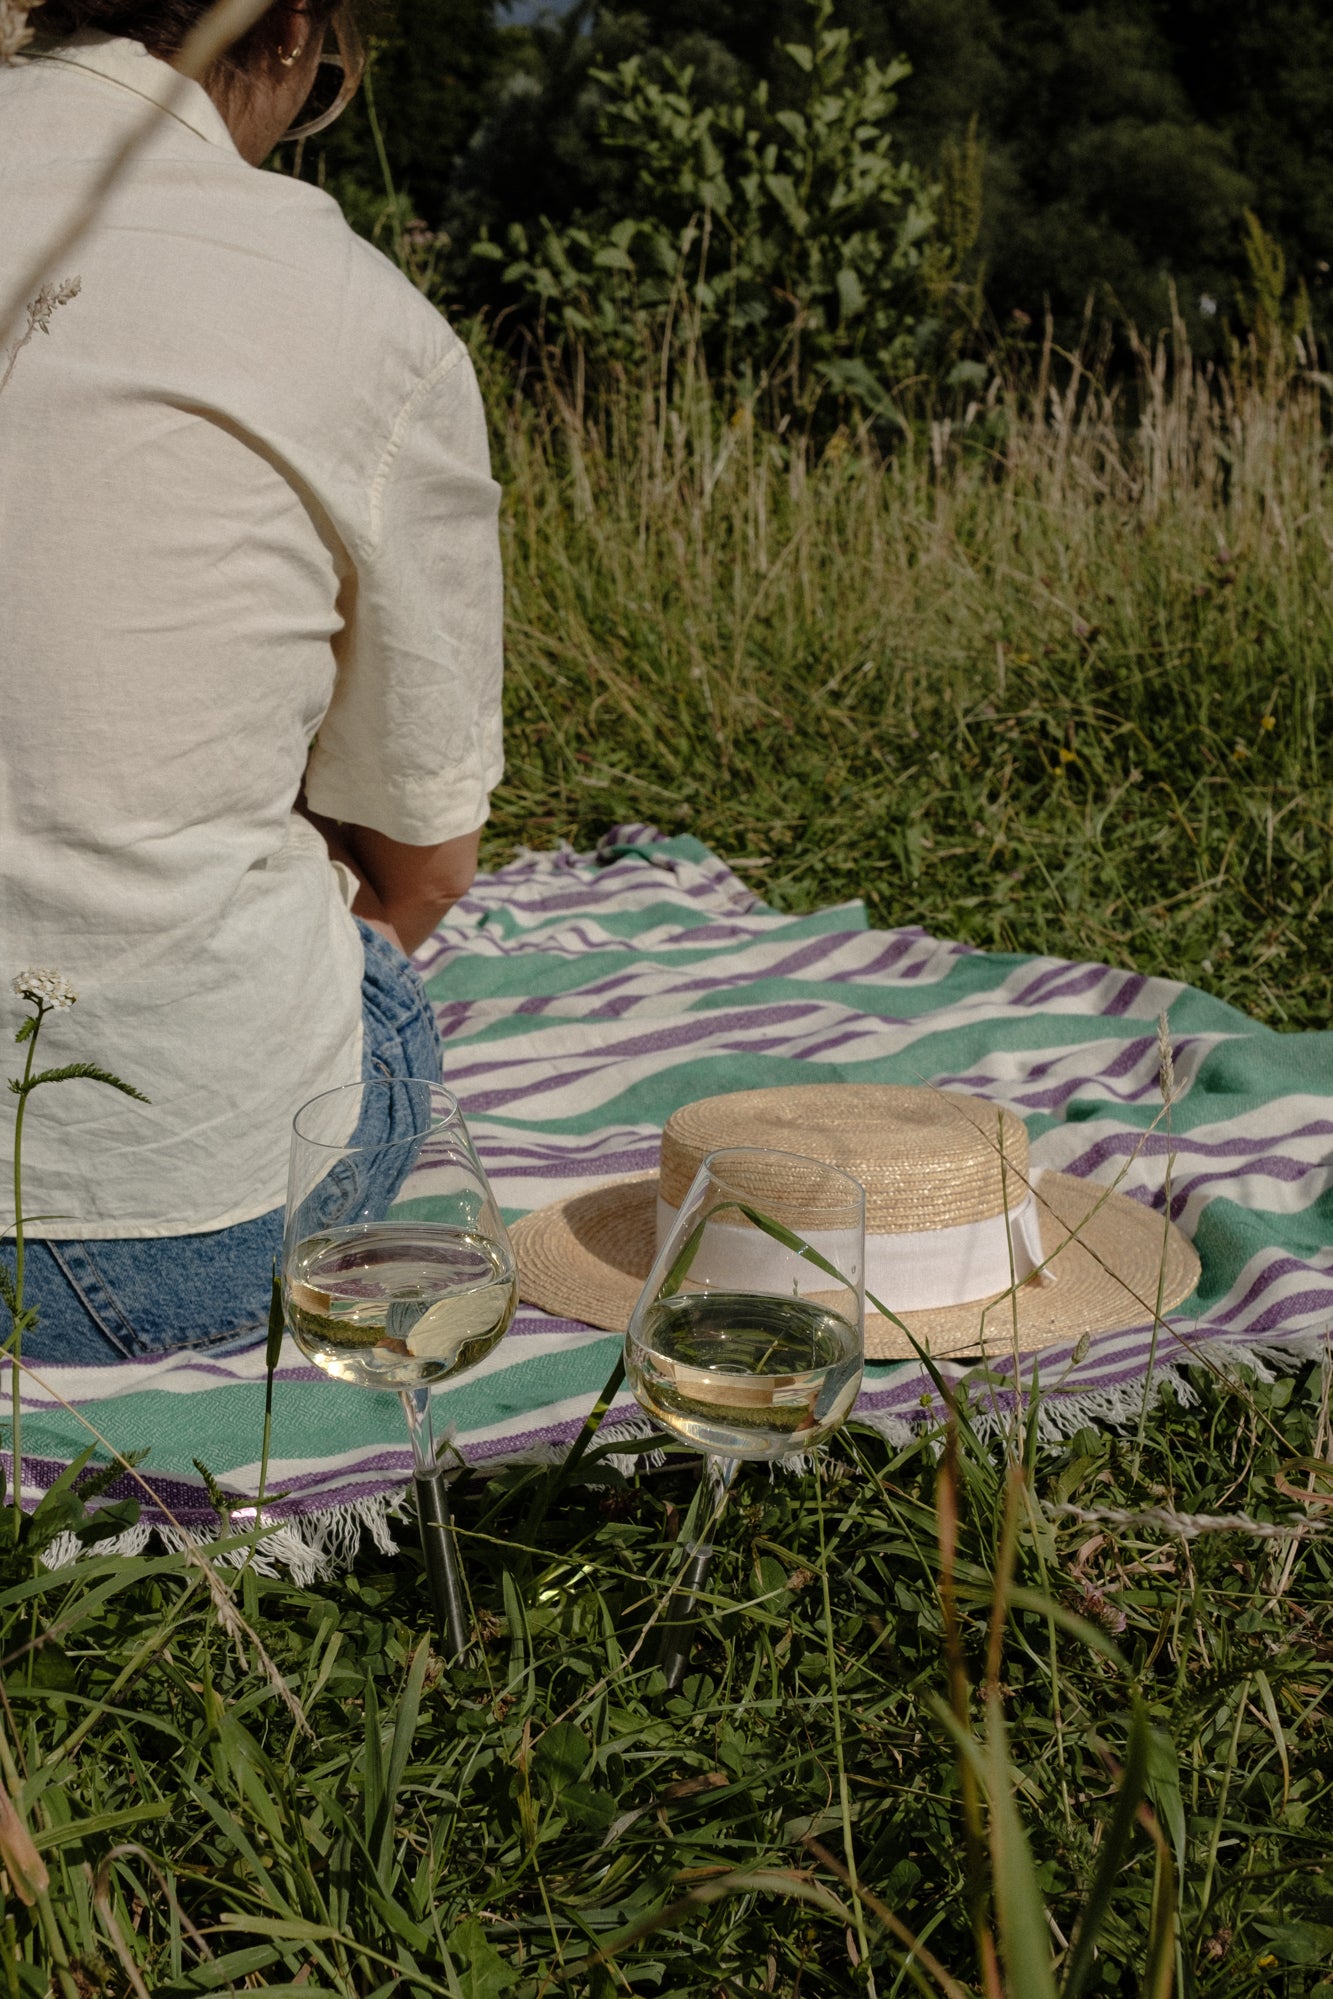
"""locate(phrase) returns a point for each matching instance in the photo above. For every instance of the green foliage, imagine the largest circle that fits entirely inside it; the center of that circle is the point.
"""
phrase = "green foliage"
(1123, 140)
(787, 236)
(543, 1816)
(65, 1508)
(74, 1072)
(1106, 182)
(1277, 325)
(1263, 78)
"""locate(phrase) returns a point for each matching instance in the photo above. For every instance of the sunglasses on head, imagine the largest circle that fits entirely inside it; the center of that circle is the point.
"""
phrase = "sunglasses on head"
(341, 66)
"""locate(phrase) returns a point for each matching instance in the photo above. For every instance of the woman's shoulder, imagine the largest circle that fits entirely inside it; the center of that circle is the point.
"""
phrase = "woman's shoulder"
(330, 254)
(355, 293)
(264, 262)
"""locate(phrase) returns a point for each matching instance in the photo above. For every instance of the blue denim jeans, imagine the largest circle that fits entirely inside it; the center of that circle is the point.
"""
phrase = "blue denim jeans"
(126, 1299)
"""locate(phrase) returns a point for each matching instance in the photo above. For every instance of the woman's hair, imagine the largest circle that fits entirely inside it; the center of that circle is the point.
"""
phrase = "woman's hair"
(161, 25)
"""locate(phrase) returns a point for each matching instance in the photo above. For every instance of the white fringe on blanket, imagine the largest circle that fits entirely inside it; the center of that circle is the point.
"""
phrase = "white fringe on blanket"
(318, 1546)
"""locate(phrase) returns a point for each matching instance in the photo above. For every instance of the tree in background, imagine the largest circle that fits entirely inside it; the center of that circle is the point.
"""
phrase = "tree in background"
(1103, 179)
(1123, 141)
(1103, 182)
(781, 237)
(1263, 77)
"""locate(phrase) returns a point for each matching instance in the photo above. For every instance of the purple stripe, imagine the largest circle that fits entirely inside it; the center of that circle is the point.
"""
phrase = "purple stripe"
(1278, 1316)
(1129, 991)
(510, 1159)
(713, 1028)
(1272, 1273)
(1272, 1166)
(497, 1144)
(819, 1051)
(1245, 1316)
(1050, 976)
(901, 944)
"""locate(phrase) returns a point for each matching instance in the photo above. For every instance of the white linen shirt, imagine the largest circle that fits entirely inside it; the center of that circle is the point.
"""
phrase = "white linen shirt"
(245, 508)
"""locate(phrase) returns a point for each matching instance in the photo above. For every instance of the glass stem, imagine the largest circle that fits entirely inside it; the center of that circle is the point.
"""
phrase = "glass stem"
(416, 1408)
(682, 1610)
(434, 1523)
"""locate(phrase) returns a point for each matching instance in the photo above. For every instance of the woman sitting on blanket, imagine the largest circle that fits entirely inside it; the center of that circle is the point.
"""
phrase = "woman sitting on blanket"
(249, 654)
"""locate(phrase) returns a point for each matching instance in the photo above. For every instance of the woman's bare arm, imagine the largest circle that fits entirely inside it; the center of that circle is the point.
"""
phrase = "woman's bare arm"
(404, 890)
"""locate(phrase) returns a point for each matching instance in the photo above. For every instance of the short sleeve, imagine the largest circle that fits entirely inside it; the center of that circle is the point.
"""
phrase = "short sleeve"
(411, 743)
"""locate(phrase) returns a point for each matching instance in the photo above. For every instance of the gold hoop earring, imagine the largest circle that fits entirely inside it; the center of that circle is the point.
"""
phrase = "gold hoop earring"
(287, 60)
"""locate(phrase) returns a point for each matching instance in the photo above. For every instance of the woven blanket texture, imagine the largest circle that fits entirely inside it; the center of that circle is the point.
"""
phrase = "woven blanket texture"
(583, 997)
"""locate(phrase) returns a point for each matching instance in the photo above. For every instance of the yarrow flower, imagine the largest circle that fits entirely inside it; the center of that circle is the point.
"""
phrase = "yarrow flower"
(44, 988)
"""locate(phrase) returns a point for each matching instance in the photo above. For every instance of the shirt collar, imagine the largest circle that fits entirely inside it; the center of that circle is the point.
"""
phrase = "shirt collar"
(130, 65)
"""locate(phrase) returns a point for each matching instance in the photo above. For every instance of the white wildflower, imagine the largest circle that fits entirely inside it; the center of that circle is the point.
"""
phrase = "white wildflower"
(41, 986)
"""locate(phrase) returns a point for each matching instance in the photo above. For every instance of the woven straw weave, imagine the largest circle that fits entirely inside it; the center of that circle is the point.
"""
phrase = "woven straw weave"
(928, 1159)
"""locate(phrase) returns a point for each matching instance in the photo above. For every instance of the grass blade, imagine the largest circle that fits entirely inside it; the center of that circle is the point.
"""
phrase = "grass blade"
(1025, 1940)
(1110, 1858)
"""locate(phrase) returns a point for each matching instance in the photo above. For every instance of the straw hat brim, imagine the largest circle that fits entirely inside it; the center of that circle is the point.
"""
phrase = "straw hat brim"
(586, 1258)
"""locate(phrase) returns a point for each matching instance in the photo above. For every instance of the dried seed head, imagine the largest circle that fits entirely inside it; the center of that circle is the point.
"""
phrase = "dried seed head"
(1166, 1068)
(15, 34)
(1101, 1609)
(39, 984)
(43, 308)
(23, 1863)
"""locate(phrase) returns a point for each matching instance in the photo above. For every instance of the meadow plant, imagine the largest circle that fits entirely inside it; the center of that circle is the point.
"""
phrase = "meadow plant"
(41, 311)
(45, 992)
(1052, 673)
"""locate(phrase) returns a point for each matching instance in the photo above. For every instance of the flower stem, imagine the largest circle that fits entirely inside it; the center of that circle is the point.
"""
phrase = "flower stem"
(16, 1343)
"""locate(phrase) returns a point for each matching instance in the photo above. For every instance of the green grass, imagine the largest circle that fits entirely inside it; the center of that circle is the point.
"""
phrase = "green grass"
(501, 1827)
(1044, 685)
(1016, 683)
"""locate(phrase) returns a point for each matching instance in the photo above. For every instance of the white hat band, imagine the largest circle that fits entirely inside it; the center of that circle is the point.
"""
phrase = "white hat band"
(912, 1272)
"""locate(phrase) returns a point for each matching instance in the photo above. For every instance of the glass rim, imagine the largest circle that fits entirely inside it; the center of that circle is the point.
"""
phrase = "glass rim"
(453, 1115)
(857, 1193)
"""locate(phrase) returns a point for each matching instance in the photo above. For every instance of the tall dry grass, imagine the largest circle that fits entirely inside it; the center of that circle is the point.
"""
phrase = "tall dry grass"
(1047, 669)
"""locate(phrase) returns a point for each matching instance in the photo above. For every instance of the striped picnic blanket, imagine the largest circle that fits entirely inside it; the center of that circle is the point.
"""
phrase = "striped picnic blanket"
(583, 997)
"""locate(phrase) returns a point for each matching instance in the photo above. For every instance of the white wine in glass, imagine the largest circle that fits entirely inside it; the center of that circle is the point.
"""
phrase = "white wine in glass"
(748, 1337)
(741, 1375)
(397, 1270)
(398, 1304)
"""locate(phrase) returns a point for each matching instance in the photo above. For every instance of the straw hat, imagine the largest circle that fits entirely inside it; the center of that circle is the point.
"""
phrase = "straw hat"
(951, 1208)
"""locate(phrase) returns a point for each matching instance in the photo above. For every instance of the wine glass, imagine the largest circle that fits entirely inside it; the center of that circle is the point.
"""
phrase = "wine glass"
(747, 1339)
(397, 1271)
